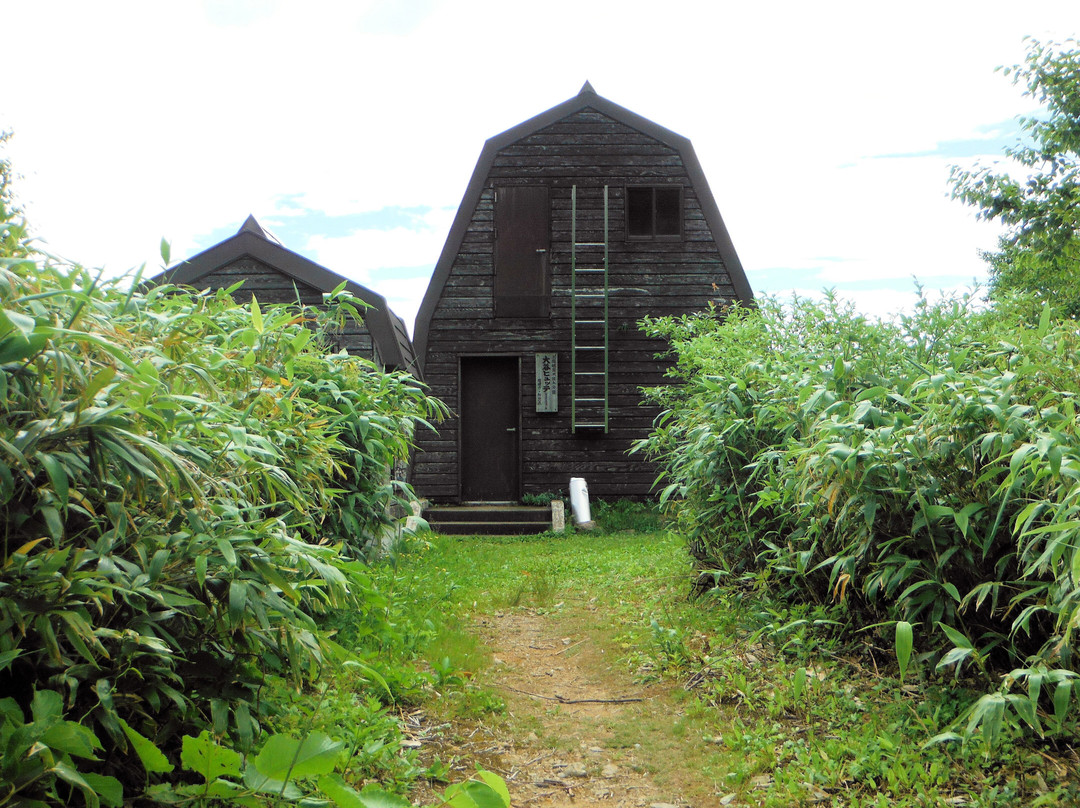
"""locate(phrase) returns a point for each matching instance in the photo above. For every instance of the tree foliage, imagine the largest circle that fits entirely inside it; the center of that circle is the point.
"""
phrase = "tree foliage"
(1040, 203)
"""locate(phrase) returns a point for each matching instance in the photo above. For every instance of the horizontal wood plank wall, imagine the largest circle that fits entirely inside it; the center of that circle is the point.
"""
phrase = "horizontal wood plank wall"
(646, 278)
(270, 286)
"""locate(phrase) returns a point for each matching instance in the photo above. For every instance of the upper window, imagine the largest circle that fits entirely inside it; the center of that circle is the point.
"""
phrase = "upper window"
(654, 212)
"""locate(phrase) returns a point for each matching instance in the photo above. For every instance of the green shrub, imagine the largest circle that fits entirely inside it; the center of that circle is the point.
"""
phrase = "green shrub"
(920, 471)
(185, 486)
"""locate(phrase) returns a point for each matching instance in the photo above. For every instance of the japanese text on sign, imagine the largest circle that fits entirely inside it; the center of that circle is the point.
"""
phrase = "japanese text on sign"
(547, 382)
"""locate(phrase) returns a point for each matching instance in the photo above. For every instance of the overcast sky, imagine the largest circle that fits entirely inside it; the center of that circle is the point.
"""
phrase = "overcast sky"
(350, 128)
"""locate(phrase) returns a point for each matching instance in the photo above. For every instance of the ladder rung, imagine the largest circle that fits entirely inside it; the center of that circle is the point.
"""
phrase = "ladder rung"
(589, 269)
(590, 348)
(589, 322)
(590, 244)
(589, 295)
(588, 400)
(588, 373)
(597, 426)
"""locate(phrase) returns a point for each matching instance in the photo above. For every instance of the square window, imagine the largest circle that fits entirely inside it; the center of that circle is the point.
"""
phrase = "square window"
(654, 212)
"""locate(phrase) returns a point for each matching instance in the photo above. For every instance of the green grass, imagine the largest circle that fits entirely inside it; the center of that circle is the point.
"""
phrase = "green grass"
(490, 573)
(772, 707)
(458, 645)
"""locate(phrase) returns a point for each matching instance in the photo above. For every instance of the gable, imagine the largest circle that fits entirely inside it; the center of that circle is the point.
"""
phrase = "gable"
(586, 136)
(265, 282)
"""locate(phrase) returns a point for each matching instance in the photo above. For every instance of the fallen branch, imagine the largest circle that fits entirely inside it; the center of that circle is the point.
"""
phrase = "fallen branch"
(537, 759)
(564, 700)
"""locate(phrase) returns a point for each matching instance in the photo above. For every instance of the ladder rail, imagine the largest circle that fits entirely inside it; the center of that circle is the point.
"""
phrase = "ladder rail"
(573, 307)
(606, 345)
(581, 293)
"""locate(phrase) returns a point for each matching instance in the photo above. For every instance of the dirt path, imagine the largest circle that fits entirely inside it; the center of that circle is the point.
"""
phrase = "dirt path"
(579, 730)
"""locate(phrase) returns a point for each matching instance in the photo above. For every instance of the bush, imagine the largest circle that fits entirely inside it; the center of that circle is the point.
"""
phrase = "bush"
(920, 472)
(185, 485)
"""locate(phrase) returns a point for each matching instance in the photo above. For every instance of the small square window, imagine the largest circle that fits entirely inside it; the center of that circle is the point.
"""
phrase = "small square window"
(654, 212)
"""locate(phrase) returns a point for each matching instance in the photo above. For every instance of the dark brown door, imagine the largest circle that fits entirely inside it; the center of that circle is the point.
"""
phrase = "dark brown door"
(522, 238)
(490, 466)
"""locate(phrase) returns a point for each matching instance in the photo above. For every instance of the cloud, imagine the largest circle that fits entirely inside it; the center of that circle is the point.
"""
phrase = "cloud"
(360, 252)
(139, 120)
(873, 219)
(887, 304)
(403, 294)
(237, 13)
(992, 140)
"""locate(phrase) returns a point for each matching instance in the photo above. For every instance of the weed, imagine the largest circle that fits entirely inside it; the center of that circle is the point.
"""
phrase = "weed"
(536, 588)
(545, 498)
(478, 703)
(626, 516)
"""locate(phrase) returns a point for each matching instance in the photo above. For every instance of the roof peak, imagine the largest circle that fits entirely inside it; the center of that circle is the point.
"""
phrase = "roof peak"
(251, 225)
(587, 88)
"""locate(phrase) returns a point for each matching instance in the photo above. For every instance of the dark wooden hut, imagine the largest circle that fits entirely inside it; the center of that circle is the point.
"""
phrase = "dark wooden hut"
(576, 224)
(274, 274)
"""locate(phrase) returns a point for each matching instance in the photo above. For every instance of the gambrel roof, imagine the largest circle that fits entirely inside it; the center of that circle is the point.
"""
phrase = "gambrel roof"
(587, 98)
(253, 241)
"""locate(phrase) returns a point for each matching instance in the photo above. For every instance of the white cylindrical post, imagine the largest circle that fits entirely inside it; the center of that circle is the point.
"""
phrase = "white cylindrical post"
(579, 502)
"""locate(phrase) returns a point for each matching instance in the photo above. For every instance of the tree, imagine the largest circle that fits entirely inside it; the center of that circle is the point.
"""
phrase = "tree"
(1040, 250)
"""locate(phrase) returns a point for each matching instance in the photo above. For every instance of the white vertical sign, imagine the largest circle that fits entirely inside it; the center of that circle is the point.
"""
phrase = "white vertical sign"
(547, 382)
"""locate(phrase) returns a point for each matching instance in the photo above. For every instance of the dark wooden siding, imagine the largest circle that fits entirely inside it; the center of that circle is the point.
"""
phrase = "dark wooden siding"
(587, 149)
(270, 286)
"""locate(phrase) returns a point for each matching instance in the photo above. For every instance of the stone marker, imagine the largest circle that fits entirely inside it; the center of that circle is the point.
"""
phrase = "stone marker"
(558, 516)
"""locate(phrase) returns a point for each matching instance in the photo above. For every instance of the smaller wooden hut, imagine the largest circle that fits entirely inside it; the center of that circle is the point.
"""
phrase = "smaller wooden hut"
(274, 274)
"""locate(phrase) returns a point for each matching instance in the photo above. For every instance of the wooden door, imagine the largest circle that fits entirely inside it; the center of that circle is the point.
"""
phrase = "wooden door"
(522, 239)
(490, 420)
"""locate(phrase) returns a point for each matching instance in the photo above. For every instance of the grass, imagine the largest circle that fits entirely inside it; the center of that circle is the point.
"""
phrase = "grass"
(458, 645)
(764, 701)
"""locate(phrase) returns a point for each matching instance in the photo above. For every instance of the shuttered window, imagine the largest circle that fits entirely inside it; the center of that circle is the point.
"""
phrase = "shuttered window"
(522, 238)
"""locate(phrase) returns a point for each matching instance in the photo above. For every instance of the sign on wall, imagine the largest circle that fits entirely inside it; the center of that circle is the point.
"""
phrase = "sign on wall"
(547, 382)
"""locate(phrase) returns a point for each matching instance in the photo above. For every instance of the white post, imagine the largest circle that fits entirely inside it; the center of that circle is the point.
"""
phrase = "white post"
(579, 503)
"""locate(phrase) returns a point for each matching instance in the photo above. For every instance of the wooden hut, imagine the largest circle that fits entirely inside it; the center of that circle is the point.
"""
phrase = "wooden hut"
(273, 274)
(575, 225)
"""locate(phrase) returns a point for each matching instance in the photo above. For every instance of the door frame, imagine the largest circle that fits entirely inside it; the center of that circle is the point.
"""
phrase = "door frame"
(460, 436)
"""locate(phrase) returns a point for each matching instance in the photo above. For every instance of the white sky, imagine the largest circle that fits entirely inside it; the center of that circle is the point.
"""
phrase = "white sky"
(350, 129)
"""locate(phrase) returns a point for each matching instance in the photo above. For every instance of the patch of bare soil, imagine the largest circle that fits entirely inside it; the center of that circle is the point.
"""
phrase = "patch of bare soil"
(579, 729)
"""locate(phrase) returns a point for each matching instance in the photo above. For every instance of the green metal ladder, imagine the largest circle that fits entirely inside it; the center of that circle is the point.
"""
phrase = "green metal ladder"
(588, 325)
